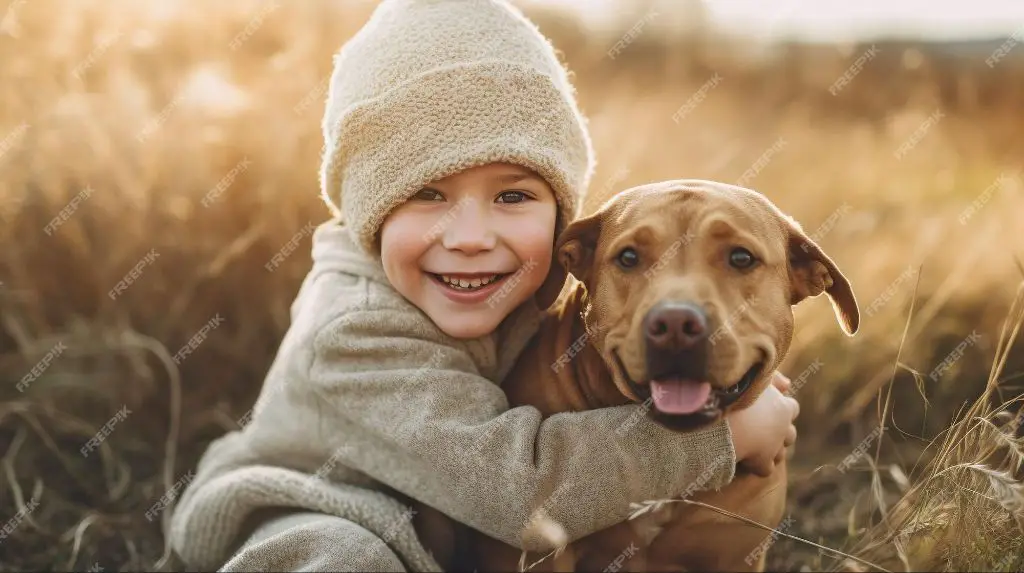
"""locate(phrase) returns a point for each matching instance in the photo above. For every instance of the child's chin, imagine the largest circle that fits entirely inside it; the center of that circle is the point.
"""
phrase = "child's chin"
(470, 325)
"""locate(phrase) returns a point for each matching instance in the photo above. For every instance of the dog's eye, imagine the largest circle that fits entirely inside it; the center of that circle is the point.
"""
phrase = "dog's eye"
(628, 258)
(741, 258)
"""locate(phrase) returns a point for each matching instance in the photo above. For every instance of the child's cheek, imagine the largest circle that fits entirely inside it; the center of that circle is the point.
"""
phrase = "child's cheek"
(532, 239)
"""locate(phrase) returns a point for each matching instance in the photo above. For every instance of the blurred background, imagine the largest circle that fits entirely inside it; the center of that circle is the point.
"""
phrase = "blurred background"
(156, 157)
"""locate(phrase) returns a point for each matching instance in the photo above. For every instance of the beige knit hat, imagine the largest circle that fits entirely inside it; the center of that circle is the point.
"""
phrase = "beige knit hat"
(428, 88)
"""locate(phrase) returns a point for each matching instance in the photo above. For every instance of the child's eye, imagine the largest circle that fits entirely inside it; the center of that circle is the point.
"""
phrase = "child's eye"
(428, 194)
(512, 197)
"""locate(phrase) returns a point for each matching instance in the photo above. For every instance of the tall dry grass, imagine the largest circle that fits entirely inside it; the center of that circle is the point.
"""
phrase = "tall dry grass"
(200, 161)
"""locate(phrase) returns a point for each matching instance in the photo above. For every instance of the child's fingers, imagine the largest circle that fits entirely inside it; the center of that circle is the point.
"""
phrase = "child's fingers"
(781, 382)
(794, 407)
(790, 436)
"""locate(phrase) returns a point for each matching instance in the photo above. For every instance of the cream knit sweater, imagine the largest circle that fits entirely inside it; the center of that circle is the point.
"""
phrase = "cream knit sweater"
(367, 397)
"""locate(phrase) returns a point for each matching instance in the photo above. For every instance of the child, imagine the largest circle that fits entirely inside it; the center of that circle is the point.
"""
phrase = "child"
(454, 152)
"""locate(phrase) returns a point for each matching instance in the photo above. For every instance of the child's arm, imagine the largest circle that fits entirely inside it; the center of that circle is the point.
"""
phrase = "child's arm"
(418, 420)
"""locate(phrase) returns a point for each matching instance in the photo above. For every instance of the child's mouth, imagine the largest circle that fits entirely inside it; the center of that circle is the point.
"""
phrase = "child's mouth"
(469, 284)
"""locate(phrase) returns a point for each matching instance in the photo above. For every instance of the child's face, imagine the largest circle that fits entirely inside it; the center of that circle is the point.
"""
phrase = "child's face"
(490, 228)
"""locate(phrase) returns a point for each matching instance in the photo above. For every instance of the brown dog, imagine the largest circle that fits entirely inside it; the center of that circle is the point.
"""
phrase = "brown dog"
(683, 296)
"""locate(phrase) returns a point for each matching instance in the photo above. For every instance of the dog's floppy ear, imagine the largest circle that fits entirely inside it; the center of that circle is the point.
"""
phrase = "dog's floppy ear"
(576, 246)
(812, 272)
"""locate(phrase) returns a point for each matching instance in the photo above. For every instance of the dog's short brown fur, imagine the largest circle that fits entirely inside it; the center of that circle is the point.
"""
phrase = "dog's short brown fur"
(684, 233)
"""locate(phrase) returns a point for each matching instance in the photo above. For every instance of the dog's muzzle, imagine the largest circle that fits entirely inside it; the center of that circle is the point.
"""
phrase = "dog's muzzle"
(677, 342)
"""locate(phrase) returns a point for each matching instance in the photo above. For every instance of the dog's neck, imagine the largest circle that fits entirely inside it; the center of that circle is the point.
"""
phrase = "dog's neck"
(591, 377)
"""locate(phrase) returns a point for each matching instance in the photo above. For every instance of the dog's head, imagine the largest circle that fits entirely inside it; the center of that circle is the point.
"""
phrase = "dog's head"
(690, 286)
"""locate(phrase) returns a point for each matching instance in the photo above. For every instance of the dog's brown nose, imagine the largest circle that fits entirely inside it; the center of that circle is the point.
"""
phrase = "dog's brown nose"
(675, 326)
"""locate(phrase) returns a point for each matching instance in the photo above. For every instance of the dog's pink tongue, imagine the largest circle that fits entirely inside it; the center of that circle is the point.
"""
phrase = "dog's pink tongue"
(675, 396)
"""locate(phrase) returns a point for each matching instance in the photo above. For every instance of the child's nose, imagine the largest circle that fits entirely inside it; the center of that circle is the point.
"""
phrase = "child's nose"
(469, 231)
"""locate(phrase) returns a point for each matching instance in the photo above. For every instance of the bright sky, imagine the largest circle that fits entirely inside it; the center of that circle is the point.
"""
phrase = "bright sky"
(852, 19)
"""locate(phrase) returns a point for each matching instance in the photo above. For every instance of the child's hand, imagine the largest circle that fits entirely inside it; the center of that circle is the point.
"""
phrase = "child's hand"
(761, 432)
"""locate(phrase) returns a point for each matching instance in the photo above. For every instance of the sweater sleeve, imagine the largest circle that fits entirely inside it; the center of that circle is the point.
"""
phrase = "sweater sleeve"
(427, 425)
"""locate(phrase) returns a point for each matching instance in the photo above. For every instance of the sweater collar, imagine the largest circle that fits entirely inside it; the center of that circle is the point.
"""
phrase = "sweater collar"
(334, 250)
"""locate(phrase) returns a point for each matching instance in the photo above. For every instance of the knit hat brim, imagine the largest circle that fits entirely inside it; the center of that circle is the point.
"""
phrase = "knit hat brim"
(453, 118)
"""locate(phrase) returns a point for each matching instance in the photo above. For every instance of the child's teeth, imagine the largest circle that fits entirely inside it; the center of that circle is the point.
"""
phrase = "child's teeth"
(468, 284)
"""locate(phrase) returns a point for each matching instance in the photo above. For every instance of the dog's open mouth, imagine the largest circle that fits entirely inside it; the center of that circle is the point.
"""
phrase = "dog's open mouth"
(686, 403)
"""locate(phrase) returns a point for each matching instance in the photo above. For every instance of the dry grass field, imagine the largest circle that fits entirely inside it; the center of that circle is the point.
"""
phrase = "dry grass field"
(154, 156)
